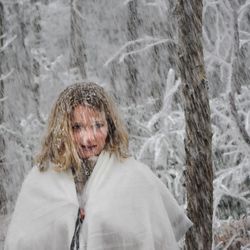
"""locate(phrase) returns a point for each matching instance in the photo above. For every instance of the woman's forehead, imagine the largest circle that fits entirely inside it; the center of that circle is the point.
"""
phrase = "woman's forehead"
(87, 112)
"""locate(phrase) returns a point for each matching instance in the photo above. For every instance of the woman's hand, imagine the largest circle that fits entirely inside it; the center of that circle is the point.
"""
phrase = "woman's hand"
(82, 214)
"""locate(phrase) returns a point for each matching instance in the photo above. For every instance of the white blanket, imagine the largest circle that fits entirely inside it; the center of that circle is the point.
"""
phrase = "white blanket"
(126, 205)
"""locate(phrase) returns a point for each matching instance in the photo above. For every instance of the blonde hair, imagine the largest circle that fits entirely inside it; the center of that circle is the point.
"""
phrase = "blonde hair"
(58, 145)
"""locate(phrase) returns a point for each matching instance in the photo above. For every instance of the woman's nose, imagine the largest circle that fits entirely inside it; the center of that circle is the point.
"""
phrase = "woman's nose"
(88, 136)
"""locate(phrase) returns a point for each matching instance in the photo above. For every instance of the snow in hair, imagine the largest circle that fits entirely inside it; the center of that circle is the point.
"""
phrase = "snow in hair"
(58, 146)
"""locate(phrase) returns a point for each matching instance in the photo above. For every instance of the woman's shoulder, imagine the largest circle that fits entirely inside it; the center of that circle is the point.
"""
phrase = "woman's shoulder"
(156, 188)
(36, 175)
(132, 162)
(139, 171)
(49, 172)
(47, 180)
(44, 186)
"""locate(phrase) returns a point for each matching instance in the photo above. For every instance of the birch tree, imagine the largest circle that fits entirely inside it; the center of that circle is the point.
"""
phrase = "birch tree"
(198, 141)
(3, 199)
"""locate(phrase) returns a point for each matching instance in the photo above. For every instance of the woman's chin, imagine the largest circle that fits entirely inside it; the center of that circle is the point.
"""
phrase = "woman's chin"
(87, 156)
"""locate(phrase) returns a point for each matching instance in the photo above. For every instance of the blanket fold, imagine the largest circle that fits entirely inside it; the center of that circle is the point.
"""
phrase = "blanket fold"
(126, 208)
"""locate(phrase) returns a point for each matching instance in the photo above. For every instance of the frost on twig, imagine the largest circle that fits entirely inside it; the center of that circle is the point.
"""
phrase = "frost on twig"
(144, 44)
(75, 9)
(4, 77)
(7, 43)
(240, 125)
(231, 160)
(161, 5)
(233, 234)
(3, 99)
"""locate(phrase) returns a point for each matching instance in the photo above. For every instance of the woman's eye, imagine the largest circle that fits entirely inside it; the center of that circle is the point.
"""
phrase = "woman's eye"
(98, 125)
(76, 127)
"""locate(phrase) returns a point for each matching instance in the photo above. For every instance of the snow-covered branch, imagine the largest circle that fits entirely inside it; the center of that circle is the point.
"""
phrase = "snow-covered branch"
(243, 42)
(235, 114)
(126, 2)
(75, 9)
(3, 36)
(151, 40)
(3, 99)
(4, 77)
(148, 46)
(243, 8)
(7, 43)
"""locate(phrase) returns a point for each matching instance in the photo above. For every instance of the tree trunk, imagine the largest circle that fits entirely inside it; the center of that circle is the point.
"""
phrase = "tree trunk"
(36, 28)
(236, 83)
(132, 34)
(236, 70)
(198, 142)
(3, 199)
(78, 58)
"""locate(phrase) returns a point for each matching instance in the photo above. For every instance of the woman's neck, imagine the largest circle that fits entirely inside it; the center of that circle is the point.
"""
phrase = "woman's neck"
(81, 176)
(88, 165)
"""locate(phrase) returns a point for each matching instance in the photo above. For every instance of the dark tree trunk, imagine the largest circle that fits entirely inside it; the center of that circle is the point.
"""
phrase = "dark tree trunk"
(78, 58)
(198, 142)
(3, 199)
(236, 71)
(36, 28)
(132, 34)
(22, 61)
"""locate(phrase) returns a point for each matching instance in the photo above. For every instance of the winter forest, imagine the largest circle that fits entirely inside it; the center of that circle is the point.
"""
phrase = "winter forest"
(133, 49)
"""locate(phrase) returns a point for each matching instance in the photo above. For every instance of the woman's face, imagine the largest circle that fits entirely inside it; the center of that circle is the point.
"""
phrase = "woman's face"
(90, 130)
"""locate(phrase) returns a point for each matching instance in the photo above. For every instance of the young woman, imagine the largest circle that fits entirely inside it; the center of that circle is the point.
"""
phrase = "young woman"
(86, 192)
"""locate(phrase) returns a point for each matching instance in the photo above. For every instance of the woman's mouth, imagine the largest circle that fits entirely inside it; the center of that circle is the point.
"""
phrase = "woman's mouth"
(88, 147)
